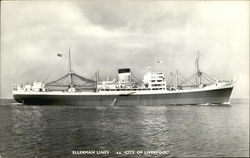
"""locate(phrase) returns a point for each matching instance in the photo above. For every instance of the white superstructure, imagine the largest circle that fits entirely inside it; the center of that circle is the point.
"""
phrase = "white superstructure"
(155, 81)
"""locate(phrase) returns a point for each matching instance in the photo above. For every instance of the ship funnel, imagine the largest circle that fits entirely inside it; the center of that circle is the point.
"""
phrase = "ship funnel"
(124, 75)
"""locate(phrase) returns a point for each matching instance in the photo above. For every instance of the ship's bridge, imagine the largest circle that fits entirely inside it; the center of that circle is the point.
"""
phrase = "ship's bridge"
(155, 81)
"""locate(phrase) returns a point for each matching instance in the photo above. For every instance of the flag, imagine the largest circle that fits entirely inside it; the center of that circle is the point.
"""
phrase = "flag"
(59, 55)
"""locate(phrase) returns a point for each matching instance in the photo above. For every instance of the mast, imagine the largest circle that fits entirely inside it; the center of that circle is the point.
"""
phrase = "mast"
(198, 72)
(177, 75)
(171, 79)
(70, 71)
(97, 79)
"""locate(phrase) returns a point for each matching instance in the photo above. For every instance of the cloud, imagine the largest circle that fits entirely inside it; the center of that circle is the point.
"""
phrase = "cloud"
(136, 16)
(107, 35)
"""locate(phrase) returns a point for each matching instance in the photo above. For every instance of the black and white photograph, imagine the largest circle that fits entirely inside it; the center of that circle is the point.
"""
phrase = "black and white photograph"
(123, 78)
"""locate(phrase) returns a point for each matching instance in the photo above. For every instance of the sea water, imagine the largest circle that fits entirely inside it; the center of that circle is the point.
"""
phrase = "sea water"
(124, 131)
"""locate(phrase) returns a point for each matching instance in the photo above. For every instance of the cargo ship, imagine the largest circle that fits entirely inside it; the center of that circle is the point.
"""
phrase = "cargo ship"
(155, 89)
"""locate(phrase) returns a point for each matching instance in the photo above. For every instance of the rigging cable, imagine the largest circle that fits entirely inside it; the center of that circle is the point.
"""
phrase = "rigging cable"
(137, 80)
(52, 70)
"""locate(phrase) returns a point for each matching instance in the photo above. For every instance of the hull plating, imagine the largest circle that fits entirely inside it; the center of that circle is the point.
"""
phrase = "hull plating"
(215, 96)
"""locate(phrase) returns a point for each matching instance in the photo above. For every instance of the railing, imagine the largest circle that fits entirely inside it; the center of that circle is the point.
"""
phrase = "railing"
(128, 89)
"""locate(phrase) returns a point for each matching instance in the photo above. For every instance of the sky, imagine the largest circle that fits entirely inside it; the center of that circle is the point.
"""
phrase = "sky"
(106, 35)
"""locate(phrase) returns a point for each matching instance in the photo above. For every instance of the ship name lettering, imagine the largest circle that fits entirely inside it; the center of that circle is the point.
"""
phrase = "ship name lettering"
(156, 152)
(79, 152)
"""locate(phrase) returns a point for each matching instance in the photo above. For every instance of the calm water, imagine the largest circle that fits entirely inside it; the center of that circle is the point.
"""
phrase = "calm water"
(57, 131)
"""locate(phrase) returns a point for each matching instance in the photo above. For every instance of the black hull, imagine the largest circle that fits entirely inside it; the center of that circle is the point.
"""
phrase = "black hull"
(216, 96)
